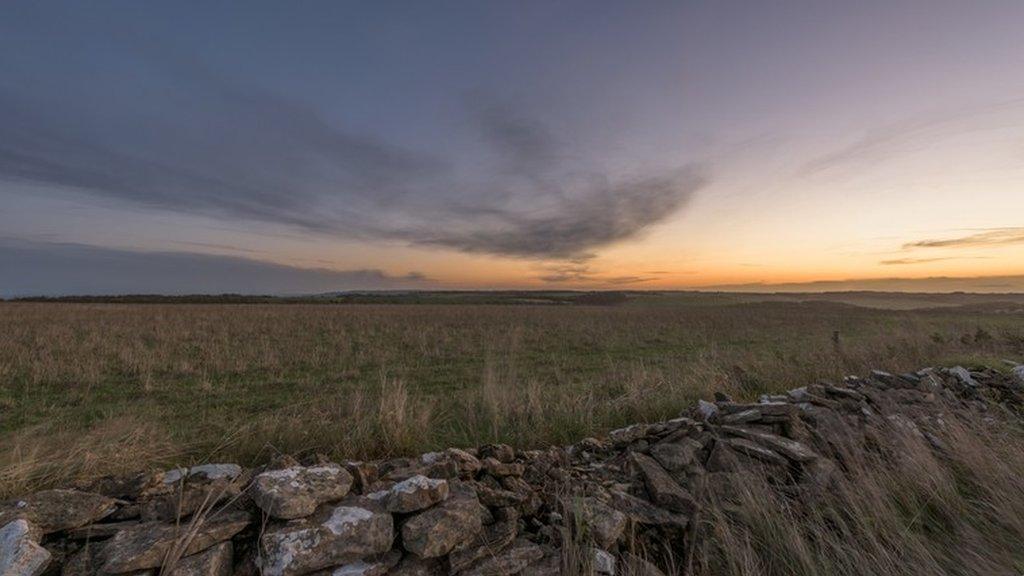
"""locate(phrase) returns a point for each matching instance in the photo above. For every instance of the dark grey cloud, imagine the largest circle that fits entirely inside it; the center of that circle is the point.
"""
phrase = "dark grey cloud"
(178, 136)
(985, 238)
(206, 145)
(572, 226)
(525, 146)
(53, 269)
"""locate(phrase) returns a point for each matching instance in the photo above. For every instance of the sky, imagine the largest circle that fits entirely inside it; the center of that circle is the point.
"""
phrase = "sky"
(300, 147)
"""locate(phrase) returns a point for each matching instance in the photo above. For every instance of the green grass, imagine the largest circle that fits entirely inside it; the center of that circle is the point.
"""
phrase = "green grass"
(240, 381)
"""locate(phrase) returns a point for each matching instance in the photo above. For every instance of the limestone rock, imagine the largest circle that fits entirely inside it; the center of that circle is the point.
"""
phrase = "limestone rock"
(203, 471)
(146, 545)
(602, 562)
(753, 450)
(721, 458)
(643, 512)
(495, 467)
(488, 543)
(964, 376)
(675, 455)
(439, 530)
(603, 523)
(512, 560)
(376, 566)
(664, 491)
(1018, 373)
(56, 510)
(706, 409)
(414, 494)
(214, 561)
(352, 529)
(297, 491)
(94, 532)
(629, 434)
(412, 565)
(181, 492)
(20, 552)
(741, 417)
(121, 487)
(498, 497)
(789, 448)
(468, 465)
(85, 562)
(500, 452)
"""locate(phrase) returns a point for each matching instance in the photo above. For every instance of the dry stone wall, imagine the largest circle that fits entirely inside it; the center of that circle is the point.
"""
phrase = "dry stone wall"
(492, 510)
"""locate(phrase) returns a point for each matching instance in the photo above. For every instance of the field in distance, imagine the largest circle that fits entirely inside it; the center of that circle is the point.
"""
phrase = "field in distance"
(90, 387)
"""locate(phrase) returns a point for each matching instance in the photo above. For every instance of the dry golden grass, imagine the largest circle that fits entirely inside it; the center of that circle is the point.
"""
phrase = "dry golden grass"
(87, 389)
(918, 512)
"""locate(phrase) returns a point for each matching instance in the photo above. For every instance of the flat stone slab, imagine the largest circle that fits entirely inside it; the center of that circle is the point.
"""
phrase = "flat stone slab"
(643, 512)
(512, 560)
(664, 490)
(101, 531)
(336, 534)
(439, 530)
(20, 552)
(675, 455)
(413, 494)
(754, 450)
(376, 566)
(297, 491)
(203, 471)
(56, 510)
(214, 561)
(789, 448)
(148, 544)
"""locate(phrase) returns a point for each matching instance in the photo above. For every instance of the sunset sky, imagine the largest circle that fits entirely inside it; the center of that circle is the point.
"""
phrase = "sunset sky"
(293, 147)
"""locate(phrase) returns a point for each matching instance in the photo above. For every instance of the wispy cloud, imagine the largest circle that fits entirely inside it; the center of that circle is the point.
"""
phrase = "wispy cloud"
(215, 246)
(904, 137)
(911, 261)
(238, 152)
(44, 268)
(991, 237)
(1011, 283)
(580, 273)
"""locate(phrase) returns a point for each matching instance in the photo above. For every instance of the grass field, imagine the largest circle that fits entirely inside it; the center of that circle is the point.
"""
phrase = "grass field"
(101, 388)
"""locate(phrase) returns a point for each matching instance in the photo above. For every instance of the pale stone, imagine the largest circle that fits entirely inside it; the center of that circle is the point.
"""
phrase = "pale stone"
(297, 491)
(415, 494)
(146, 545)
(439, 530)
(357, 527)
(789, 448)
(20, 552)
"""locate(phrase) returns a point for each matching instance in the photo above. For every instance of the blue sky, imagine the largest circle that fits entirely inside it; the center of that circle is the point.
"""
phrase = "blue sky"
(508, 144)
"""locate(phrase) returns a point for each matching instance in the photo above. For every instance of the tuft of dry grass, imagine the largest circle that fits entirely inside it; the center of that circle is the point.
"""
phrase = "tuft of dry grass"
(38, 457)
(916, 512)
